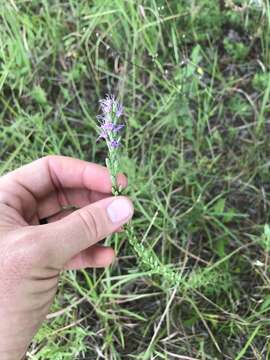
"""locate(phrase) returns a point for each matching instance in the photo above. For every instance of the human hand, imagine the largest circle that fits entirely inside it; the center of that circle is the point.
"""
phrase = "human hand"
(32, 255)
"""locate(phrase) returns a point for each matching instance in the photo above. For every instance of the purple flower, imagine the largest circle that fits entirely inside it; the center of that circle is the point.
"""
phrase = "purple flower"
(107, 126)
(102, 135)
(119, 110)
(118, 127)
(107, 104)
(115, 144)
(112, 127)
(111, 105)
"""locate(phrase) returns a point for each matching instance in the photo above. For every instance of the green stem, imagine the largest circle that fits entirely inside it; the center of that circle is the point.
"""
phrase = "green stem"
(146, 258)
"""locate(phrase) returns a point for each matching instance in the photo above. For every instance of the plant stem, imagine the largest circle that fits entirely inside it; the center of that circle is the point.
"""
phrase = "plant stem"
(146, 258)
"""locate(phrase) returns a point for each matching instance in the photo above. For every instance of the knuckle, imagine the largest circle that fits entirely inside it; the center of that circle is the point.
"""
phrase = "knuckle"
(49, 158)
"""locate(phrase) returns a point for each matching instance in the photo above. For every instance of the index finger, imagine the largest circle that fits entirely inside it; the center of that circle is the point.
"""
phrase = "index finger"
(51, 173)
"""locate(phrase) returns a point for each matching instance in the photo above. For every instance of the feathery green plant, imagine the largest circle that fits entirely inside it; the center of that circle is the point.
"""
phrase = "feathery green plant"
(109, 129)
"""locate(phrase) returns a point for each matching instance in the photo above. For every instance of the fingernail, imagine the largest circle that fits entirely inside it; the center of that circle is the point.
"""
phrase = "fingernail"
(119, 210)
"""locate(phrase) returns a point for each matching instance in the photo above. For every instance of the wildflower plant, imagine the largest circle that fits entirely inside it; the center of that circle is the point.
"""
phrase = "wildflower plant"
(110, 129)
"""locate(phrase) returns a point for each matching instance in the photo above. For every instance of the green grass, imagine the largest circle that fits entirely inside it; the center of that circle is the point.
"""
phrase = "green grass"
(194, 77)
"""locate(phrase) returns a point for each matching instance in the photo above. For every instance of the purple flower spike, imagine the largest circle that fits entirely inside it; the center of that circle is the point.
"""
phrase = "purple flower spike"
(109, 127)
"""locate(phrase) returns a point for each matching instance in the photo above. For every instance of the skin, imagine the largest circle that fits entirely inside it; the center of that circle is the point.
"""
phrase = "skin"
(33, 255)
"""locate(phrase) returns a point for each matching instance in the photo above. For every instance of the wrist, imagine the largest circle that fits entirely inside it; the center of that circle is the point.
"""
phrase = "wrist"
(12, 355)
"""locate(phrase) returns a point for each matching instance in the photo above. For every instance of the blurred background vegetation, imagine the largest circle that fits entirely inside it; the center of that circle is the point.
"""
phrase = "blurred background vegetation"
(194, 77)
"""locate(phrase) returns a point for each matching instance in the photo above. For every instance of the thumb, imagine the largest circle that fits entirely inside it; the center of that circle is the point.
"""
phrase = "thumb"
(83, 228)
